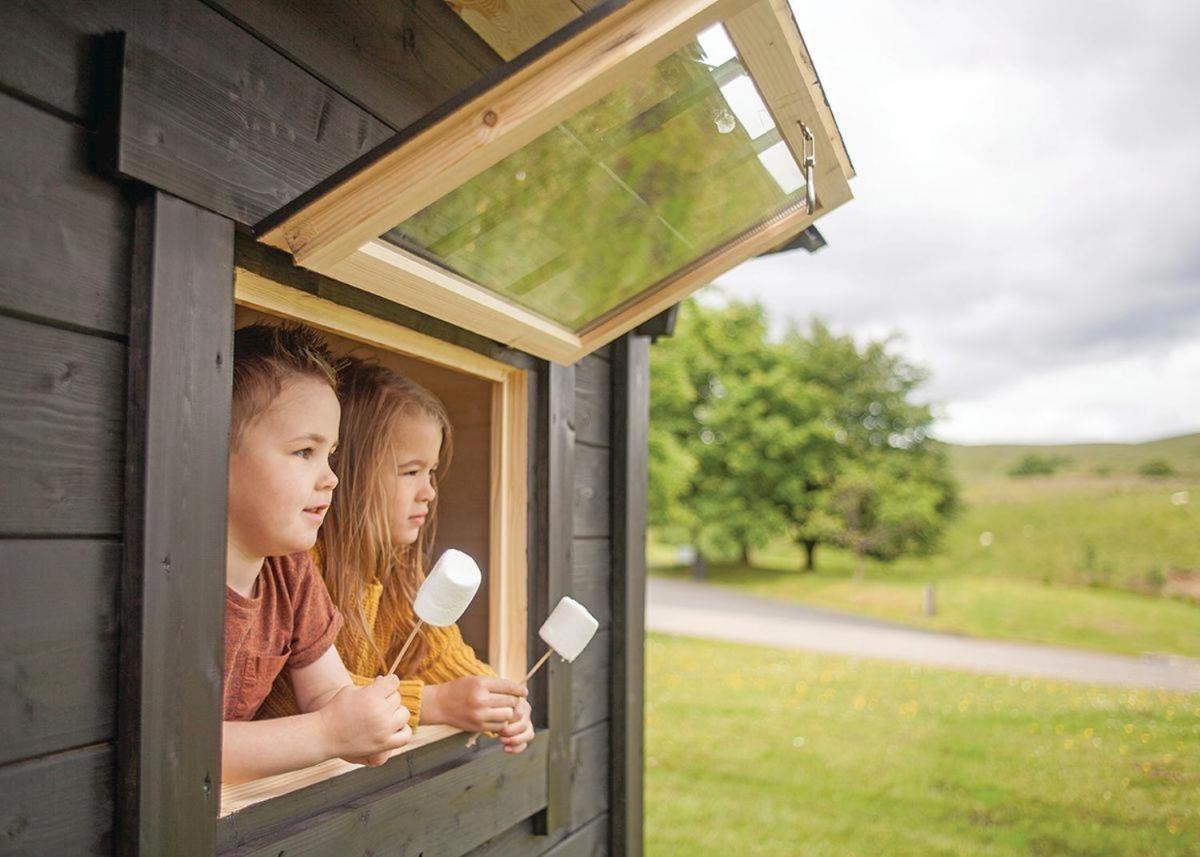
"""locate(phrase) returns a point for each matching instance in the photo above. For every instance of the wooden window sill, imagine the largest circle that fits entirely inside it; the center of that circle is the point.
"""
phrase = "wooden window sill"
(241, 795)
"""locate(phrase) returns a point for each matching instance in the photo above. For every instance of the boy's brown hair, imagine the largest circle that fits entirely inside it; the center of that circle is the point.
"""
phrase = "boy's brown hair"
(264, 357)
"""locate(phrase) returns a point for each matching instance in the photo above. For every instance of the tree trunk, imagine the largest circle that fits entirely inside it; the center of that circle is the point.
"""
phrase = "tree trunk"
(746, 555)
(699, 568)
(810, 555)
(860, 565)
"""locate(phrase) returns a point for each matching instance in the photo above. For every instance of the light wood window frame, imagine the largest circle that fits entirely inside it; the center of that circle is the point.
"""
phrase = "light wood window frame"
(508, 555)
(336, 229)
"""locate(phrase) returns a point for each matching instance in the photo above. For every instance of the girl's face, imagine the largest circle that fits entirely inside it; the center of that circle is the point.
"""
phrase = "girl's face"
(416, 443)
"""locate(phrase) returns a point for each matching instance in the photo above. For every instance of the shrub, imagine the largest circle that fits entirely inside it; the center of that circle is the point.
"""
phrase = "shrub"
(1156, 468)
(1036, 464)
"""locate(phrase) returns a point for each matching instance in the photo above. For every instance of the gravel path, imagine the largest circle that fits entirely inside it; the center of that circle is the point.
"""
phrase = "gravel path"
(700, 610)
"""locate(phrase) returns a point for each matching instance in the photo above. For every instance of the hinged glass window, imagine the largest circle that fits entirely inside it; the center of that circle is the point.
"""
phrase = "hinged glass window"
(596, 185)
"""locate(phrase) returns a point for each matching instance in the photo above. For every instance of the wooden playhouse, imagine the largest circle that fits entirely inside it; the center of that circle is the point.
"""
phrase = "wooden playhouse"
(502, 198)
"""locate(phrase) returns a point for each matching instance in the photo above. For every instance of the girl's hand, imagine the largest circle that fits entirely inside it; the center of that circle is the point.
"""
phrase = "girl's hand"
(516, 735)
(365, 723)
(473, 703)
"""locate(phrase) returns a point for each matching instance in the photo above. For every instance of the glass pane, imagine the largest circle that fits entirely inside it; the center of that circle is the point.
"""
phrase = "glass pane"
(652, 177)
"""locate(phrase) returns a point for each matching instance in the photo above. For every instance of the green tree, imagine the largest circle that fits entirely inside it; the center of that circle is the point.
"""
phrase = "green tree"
(696, 490)
(891, 503)
(870, 389)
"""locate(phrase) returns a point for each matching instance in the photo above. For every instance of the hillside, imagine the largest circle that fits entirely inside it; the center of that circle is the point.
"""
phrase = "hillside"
(981, 463)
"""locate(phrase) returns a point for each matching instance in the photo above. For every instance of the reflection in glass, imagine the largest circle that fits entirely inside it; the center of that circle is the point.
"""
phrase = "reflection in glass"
(657, 174)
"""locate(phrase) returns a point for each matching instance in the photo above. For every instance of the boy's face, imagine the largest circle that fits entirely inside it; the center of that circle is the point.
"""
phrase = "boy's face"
(280, 481)
(416, 445)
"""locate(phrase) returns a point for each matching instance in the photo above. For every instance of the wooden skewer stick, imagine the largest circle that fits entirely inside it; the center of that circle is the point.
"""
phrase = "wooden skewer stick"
(411, 636)
(474, 739)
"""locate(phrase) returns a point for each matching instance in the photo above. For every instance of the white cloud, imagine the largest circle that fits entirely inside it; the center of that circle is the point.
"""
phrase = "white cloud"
(1026, 209)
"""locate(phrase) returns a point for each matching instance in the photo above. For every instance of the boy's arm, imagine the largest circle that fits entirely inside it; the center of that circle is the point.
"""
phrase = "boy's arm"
(314, 685)
(261, 748)
(361, 724)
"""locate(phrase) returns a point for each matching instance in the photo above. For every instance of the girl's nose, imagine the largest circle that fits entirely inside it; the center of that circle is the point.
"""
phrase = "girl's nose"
(428, 491)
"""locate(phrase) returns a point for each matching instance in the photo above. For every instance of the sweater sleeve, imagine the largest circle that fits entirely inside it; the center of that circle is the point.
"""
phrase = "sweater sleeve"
(450, 657)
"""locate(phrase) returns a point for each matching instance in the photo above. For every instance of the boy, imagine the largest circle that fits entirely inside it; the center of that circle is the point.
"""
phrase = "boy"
(278, 614)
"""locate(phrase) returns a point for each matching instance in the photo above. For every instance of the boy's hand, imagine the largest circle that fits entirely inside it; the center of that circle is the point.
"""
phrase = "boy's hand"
(473, 703)
(516, 735)
(362, 724)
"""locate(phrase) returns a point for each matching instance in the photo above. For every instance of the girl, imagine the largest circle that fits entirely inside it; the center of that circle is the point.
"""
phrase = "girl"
(374, 548)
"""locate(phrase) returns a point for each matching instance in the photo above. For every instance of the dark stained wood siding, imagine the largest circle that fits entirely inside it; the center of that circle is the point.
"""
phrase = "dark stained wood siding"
(64, 280)
(237, 107)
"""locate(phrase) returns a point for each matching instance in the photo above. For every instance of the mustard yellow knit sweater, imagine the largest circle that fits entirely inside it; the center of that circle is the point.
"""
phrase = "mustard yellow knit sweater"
(449, 657)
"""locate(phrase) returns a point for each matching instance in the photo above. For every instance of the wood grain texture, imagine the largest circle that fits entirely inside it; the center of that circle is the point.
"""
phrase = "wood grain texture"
(232, 146)
(66, 248)
(262, 820)
(590, 750)
(557, 425)
(58, 645)
(173, 588)
(440, 815)
(592, 513)
(514, 26)
(58, 804)
(591, 840)
(593, 417)
(591, 572)
(62, 422)
(590, 680)
(631, 419)
(411, 172)
(278, 267)
(396, 60)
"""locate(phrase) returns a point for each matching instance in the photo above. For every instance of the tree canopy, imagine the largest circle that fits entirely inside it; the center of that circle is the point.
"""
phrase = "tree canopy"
(813, 437)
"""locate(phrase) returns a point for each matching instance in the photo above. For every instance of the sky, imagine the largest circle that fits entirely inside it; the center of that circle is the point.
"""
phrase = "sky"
(1026, 214)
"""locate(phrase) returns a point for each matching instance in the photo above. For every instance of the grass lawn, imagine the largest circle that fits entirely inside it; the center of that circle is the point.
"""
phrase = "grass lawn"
(753, 751)
(1071, 560)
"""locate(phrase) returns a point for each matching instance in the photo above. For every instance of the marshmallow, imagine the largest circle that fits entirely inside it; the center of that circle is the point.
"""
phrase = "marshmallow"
(448, 590)
(569, 628)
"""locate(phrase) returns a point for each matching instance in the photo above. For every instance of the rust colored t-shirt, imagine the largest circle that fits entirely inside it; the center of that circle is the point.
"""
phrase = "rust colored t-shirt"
(290, 622)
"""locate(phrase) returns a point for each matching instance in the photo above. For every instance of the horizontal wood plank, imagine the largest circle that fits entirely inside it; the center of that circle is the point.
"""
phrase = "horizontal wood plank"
(261, 820)
(242, 154)
(58, 645)
(62, 422)
(58, 804)
(593, 401)
(397, 60)
(589, 774)
(593, 517)
(66, 230)
(444, 814)
(591, 840)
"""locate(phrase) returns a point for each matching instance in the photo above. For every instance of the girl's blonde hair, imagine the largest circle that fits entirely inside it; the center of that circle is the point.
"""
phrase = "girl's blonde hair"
(355, 542)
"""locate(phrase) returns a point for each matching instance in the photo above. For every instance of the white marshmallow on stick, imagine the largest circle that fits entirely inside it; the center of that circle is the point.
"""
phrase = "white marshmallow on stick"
(567, 630)
(444, 596)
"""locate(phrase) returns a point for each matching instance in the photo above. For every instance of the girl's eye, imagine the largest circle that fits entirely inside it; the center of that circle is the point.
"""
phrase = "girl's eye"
(304, 453)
